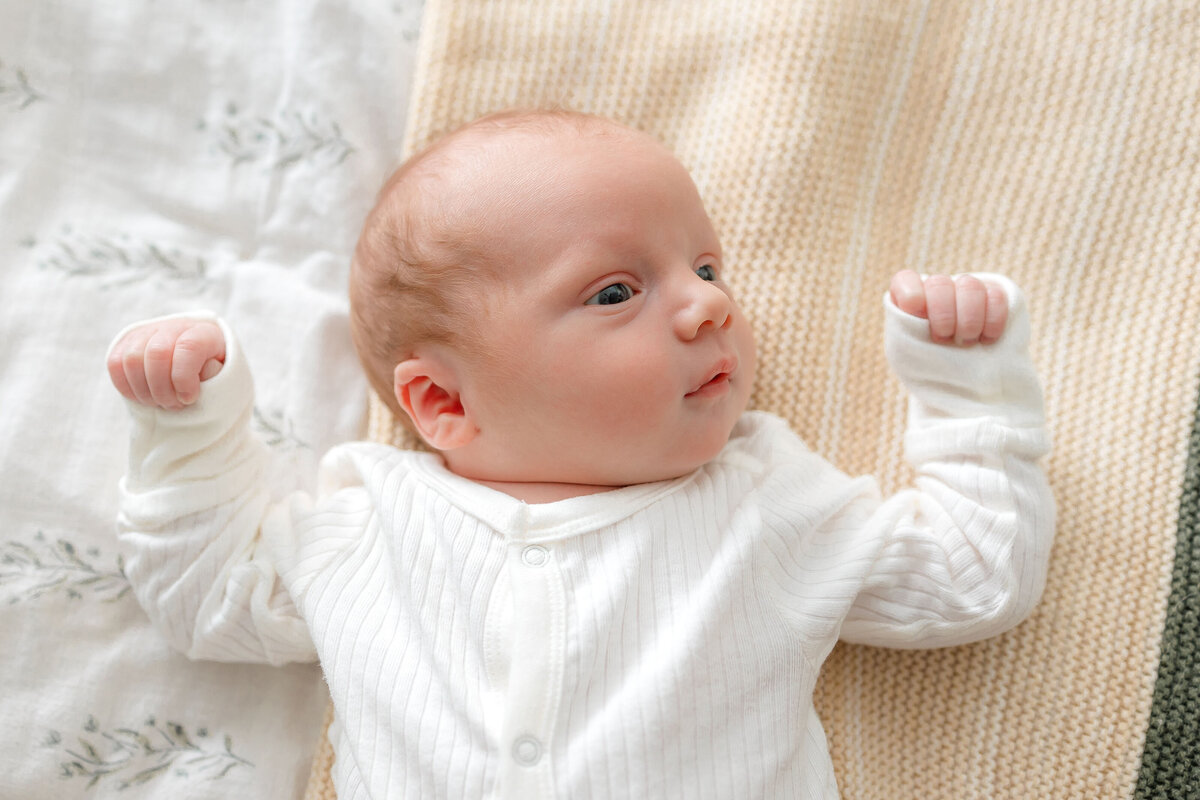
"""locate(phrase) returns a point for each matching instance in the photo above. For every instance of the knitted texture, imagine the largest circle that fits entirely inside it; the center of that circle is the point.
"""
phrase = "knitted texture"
(835, 143)
(1171, 761)
(320, 776)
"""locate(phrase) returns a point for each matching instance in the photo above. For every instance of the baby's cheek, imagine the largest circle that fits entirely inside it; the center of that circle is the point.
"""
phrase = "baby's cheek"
(635, 400)
(747, 351)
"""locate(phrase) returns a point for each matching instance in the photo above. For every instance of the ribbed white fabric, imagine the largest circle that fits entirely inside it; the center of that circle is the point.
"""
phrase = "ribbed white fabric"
(659, 640)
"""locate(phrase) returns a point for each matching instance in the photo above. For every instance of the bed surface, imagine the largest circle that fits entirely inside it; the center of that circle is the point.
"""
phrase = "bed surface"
(154, 158)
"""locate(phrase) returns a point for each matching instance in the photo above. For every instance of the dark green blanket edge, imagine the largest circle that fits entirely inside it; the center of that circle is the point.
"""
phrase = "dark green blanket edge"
(1171, 760)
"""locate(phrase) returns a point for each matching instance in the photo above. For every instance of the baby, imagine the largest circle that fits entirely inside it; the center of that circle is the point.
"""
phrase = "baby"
(609, 579)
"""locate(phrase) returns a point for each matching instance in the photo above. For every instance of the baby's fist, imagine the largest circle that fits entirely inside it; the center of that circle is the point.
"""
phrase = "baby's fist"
(962, 310)
(162, 363)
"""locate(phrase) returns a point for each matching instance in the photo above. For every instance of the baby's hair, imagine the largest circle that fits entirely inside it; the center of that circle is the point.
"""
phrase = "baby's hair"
(414, 275)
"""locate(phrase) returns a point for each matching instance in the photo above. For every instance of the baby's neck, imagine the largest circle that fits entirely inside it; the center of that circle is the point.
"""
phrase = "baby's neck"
(533, 493)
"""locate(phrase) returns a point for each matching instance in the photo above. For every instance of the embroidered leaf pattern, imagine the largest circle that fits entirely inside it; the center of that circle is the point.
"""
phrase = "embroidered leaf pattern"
(409, 15)
(29, 571)
(118, 259)
(126, 757)
(16, 92)
(279, 141)
(276, 430)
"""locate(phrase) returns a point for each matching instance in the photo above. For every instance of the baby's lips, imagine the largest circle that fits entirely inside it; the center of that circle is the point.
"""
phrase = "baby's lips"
(723, 369)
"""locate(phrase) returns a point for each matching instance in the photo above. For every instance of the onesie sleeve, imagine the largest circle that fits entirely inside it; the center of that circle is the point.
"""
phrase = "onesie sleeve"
(962, 555)
(192, 507)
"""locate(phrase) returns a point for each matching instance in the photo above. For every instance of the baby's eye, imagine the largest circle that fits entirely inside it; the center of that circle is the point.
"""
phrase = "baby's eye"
(610, 295)
(708, 272)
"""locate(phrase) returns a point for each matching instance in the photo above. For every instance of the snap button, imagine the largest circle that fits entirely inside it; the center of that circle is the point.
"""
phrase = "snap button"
(535, 555)
(527, 751)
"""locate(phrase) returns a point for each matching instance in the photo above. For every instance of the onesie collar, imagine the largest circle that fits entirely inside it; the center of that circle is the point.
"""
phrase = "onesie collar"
(517, 520)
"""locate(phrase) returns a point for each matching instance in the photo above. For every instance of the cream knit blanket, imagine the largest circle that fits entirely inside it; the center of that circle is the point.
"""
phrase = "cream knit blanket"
(835, 143)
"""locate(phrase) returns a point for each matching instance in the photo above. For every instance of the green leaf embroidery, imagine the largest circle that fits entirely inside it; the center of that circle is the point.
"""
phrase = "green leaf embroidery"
(118, 259)
(31, 571)
(276, 430)
(16, 91)
(281, 141)
(130, 757)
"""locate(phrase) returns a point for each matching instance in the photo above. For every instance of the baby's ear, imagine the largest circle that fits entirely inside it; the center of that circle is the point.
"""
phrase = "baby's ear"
(428, 392)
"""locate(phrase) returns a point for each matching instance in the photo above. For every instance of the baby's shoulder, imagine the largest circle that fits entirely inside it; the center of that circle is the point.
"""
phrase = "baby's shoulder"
(765, 437)
(779, 463)
(763, 443)
(363, 465)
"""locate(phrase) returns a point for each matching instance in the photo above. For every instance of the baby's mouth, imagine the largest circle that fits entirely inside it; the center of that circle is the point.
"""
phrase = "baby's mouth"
(716, 382)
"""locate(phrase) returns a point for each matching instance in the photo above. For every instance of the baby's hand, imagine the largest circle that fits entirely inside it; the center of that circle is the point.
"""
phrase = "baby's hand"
(162, 363)
(962, 310)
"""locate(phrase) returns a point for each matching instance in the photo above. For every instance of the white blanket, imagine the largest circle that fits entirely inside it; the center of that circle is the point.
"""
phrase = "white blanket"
(157, 157)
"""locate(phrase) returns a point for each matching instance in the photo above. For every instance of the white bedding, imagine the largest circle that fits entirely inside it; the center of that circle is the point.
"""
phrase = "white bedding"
(157, 157)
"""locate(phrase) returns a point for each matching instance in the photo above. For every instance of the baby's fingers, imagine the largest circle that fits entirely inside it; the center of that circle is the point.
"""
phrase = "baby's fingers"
(126, 369)
(198, 354)
(971, 302)
(908, 293)
(211, 368)
(963, 310)
(159, 361)
(162, 363)
(997, 314)
(941, 307)
(116, 371)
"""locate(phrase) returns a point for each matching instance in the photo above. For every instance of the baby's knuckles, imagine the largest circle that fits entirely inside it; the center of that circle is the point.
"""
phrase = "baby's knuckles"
(159, 350)
(960, 309)
(199, 343)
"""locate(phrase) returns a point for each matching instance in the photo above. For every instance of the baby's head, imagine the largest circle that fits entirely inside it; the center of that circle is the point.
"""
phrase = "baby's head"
(540, 294)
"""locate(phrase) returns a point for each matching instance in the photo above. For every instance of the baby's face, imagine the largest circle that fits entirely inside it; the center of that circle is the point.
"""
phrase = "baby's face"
(617, 354)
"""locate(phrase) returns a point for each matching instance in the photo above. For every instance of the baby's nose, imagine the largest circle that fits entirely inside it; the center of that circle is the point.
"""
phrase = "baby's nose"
(706, 306)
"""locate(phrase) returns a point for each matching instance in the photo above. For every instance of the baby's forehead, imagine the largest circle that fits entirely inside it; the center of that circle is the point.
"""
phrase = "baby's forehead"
(530, 164)
(498, 186)
(474, 168)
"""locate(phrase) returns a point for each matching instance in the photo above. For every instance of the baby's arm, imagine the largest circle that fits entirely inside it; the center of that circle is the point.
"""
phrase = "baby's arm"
(194, 498)
(965, 551)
